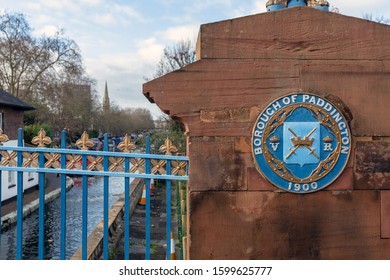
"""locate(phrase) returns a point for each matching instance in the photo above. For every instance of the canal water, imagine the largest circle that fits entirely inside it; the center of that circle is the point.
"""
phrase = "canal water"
(52, 221)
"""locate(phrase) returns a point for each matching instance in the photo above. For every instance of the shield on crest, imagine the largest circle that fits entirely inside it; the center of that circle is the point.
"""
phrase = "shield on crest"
(301, 142)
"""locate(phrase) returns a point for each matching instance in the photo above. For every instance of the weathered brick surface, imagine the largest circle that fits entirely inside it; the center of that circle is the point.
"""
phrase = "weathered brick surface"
(256, 182)
(234, 213)
(299, 33)
(372, 165)
(229, 115)
(215, 165)
(242, 145)
(214, 85)
(269, 225)
(385, 214)
(343, 182)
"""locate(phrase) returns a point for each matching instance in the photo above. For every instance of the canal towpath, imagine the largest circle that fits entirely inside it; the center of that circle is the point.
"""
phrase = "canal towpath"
(158, 223)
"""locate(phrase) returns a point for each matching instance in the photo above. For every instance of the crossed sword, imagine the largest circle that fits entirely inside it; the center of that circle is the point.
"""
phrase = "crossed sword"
(312, 151)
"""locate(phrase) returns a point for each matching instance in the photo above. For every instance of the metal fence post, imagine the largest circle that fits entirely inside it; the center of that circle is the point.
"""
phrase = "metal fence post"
(127, 213)
(168, 210)
(105, 208)
(63, 199)
(84, 210)
(42, 183)
(147, 180)
(19, 199)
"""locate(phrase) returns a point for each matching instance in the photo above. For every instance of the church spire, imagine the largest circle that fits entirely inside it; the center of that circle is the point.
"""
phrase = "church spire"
(106, 100)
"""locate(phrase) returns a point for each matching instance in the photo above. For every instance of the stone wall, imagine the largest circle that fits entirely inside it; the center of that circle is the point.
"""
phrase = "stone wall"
(245, 63)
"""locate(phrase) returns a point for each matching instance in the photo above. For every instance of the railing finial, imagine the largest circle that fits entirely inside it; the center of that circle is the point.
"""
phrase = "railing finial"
(84, 142)
(168, 148)
(126, 145)
(41, 140)
(3, 137)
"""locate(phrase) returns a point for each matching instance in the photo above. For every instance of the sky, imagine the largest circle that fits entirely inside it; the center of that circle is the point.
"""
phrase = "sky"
(122, 41)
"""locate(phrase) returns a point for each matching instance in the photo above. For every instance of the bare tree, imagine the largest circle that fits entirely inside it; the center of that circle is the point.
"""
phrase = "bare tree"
(379, 19)
(175, 57)
(179, 55)
(24, 59)
(334, 9)
(48, 73)
(125, 121)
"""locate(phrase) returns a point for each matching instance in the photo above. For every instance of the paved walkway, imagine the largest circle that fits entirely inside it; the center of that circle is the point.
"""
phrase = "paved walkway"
(157, 231)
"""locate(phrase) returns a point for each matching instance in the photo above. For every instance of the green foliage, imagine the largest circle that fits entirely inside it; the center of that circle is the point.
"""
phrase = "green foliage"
(93, 133)
(174, 131)
(177, 137)
(30, 131)
(158, 137)
(119, 121)
(39, 115)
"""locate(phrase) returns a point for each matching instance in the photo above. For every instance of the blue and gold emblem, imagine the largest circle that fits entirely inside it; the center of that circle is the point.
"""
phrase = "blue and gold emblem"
(301, 142)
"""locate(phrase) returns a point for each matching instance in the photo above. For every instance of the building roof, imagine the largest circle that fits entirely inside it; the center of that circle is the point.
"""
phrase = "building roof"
(8, 100)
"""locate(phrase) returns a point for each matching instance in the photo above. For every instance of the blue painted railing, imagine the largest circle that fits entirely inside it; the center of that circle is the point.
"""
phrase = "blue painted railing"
(83, 162)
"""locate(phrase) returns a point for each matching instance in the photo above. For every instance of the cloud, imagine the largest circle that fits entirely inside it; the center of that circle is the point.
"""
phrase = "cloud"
(249, 8)
(116, 14)
(71, 5)
(35, 6)
(360, 7)
(61, 5)
(125, 73)
(177, 33)
(137, 63)
(90, 2)
(258, 7)
(149, 51)
(198, 6)
(98, 12)
(104, 19)
(126, 10)
(48, 30)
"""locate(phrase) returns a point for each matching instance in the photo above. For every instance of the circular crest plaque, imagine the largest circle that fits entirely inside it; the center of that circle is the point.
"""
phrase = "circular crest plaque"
(301, 142)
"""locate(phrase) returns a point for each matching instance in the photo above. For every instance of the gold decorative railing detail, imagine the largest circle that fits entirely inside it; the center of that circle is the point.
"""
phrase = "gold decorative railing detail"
(126, 145)
(8, 158)
(179, 168)
(73, 162)
(168, 148)
(94, 163)
(116, 164)
(41, 140)
(84, 143)
(158, 166)
(30, 159)
(137, 165)
(3, 137)
(53, 160)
